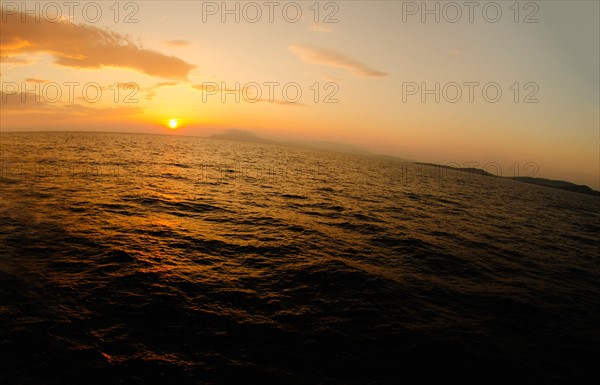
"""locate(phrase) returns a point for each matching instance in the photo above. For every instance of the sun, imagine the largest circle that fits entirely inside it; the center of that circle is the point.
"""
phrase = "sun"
(173, 123)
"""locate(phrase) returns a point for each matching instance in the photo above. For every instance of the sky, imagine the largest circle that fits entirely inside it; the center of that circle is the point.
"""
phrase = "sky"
(514, 85)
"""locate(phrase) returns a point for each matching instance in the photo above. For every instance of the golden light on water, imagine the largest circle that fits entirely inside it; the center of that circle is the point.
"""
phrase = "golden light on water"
(173, 87)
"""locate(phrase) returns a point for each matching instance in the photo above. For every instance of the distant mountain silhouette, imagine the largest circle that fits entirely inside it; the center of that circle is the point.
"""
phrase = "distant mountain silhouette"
(465, 169)
(249, 136)
(557, 184)
(241, 136)
(335, 147)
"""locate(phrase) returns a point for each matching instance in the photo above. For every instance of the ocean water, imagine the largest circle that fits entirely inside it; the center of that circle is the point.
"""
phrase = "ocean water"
(142, 259)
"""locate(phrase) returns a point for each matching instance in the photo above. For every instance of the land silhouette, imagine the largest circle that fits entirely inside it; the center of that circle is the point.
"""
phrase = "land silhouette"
(249, 136)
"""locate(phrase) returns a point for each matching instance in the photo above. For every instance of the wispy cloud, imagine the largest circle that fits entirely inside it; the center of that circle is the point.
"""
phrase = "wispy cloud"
(22, 101)
(36, 81)
(26, 102)
(317, 55)
(320, 28)
(83, 46)
(6, 59)
(166, 84)
(151, 91)
(211, 87)
(247, 92)
(284, 103)
(177, 43)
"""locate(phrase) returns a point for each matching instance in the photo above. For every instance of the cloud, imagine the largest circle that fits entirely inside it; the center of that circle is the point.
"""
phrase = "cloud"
(211, 87)
(320, 28)
(83, 46)
(245, 93)
(22, 101)
(122, 86)
(166, 84)
(283, 103)
(317, 55)
(177, 43)
(5, 59)
(32, 103)
(103, 112)
(151, 91)
(36, 81)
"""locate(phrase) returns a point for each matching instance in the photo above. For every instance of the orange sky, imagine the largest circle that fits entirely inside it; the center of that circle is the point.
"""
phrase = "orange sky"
(362, 73)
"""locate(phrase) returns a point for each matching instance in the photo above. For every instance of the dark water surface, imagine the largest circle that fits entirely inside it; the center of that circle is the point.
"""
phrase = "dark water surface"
(155, 259)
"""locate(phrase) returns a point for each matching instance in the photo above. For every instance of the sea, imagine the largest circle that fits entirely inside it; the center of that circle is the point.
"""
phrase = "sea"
(157, 259)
